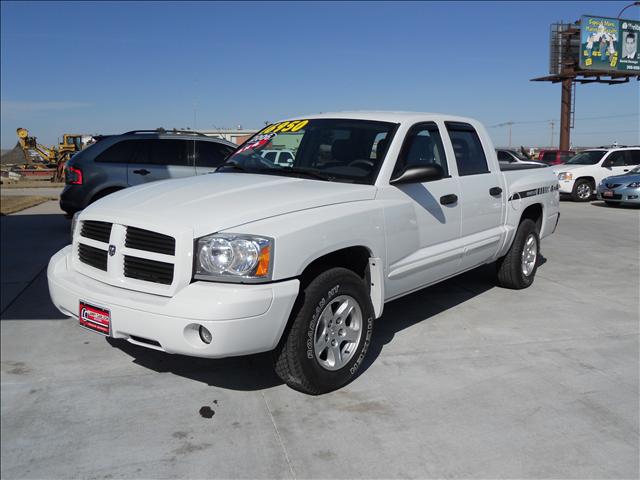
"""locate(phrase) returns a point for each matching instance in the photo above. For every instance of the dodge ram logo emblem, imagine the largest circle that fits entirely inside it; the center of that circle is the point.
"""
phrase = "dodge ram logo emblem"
(112, 250)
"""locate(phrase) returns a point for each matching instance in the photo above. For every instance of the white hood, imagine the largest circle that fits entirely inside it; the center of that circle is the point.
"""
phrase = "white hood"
(215, 202)
(567, 168)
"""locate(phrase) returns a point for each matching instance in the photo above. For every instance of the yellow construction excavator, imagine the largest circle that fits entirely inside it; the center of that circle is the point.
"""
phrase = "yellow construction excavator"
(53, 157)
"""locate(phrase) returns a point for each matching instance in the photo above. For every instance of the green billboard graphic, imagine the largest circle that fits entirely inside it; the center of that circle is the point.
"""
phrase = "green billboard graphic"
(609, 44)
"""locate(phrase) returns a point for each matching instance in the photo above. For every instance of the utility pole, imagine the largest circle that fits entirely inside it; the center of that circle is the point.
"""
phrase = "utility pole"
(565, 113)
(510, 123)
(552, 122)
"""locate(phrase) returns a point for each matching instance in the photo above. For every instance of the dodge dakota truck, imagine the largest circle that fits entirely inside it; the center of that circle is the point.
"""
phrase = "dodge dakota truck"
(300, 259)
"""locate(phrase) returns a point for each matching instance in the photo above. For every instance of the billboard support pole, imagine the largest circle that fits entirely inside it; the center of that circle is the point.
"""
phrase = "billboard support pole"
(565, 114)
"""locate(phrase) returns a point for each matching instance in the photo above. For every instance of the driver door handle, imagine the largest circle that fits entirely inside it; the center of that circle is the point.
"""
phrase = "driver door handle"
(142, 171)
(495, 191)
(448, 199)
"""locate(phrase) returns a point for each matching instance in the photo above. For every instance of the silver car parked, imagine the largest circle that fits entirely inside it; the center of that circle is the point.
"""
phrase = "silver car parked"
(619, 189)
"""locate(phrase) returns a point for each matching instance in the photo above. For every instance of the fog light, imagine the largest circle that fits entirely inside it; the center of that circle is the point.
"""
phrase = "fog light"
(205, 335)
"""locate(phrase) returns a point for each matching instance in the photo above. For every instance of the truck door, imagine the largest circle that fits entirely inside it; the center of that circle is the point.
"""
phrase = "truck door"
(422, 220)
(482, 195)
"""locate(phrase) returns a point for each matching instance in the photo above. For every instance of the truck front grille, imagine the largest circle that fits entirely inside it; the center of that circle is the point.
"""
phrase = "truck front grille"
(148, 270)
(93, 257)
(146, 240)
(100, 231)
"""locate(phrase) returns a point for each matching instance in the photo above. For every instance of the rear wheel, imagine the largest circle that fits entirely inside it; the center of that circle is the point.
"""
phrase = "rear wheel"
(518, 267)
(582, 190)
(329, 335)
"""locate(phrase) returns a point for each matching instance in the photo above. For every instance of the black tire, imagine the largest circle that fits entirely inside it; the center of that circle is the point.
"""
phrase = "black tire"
(510, 268)
(609, 203)
(581, 185)
(295, 359)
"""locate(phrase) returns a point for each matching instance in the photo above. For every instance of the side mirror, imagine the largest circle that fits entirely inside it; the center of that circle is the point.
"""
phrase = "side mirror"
(419, 174)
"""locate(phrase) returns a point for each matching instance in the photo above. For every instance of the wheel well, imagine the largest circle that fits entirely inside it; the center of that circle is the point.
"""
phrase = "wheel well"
(355, 259)
(590, 179)
(533, 212)
(103, 193)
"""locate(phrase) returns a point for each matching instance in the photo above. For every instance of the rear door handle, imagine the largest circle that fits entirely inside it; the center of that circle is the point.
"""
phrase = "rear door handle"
(142, 171)
(448, 199)
(495, 191)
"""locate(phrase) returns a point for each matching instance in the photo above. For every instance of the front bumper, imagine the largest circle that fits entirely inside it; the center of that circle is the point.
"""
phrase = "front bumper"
(566, 186)
(243, 319)
(620, 194)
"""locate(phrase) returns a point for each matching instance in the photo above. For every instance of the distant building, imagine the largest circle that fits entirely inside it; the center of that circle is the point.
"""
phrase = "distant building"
(235, 135)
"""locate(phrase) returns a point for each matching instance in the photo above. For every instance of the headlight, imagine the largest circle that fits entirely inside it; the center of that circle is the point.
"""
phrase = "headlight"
(233, 258)
(74, 224)
(634, 185)
(565, 176)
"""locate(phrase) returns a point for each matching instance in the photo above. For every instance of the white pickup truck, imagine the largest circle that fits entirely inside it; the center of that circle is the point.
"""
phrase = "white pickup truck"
(300, 260)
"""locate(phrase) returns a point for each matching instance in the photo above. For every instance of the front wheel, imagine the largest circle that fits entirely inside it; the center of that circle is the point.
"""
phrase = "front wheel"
(518, 267)
(329, 335)
(582, 191)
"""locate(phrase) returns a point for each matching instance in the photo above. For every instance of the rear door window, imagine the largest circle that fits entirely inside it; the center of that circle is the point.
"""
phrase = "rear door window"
(169, 152)
(467, 148)
(121, 152)
(632, 157)
(211, 154)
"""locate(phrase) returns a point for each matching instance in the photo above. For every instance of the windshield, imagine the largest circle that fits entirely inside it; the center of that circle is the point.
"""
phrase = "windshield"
(587, 158)
(339, 150)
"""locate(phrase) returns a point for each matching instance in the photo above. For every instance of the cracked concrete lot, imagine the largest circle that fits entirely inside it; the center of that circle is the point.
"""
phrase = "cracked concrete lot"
(464, 379)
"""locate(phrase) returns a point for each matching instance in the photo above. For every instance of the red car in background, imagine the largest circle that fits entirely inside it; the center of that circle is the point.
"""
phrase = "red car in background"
(555, 157)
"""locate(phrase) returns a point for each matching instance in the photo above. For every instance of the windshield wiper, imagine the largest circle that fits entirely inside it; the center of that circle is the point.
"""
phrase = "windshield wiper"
(302, 171)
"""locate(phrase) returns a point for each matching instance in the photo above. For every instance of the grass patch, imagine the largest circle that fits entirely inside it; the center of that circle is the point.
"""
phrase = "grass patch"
(16, 203)
(32, 184)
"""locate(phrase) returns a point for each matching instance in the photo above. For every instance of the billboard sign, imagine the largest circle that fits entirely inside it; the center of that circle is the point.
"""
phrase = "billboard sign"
(609, 44)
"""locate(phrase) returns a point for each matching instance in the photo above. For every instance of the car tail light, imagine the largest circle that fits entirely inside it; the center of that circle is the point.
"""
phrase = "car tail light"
(73, 176)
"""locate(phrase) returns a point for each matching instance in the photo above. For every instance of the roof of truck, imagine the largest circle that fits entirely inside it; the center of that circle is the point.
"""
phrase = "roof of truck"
(386, 116)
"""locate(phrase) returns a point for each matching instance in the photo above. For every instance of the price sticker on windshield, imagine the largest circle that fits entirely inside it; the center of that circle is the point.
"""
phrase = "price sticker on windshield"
(284, 127)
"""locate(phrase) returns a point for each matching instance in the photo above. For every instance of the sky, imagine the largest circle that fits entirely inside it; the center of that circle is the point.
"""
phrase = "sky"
(110, 67)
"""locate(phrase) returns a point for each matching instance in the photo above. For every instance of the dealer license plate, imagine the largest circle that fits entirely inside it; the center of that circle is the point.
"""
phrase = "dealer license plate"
(607, 193)
(95, 318)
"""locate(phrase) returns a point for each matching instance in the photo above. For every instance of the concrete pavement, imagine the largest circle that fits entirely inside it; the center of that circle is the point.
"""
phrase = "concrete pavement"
(463, 380)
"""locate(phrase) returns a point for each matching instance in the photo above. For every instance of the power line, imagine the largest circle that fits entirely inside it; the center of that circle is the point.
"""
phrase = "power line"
(547, 121)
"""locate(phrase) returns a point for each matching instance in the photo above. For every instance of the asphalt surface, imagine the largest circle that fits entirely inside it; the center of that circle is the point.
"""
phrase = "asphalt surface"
(464, 379)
